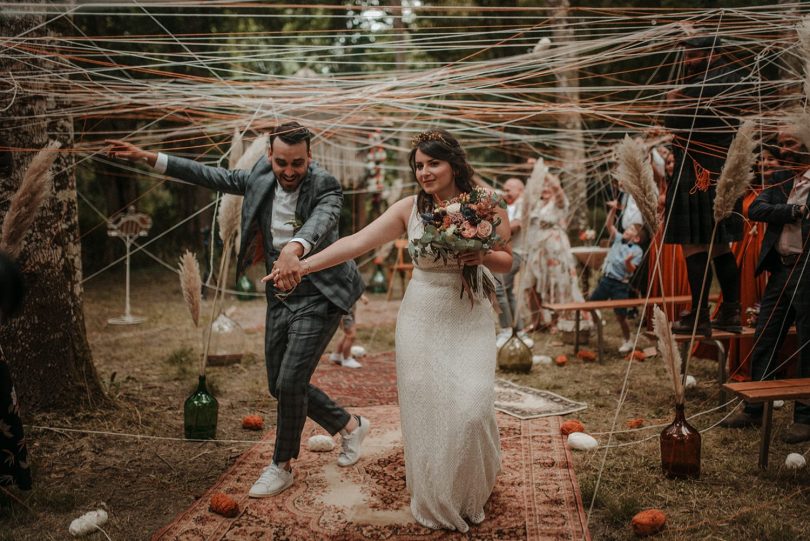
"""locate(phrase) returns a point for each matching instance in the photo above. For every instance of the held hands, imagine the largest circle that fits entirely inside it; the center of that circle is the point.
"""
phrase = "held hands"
(288, 270)
(121, 150)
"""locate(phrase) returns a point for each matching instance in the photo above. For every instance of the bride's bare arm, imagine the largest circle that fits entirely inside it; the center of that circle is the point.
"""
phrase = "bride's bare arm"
(388, 227)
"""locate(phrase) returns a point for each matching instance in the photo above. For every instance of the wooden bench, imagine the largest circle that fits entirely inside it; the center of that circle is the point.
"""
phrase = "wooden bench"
(718, 339)
(767, 392)
(593, 306)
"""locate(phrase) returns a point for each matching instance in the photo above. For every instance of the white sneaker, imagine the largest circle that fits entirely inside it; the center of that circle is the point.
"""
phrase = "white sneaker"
(626, 347)
(525, 339)
(335, 357)
(273, 480)
(350, 453)
(351, 362)
(502, 337)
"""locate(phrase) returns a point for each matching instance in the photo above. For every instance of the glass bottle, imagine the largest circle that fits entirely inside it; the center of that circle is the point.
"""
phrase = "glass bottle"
(514, 355)
(680, 448)
(200, 414)
(378, 282)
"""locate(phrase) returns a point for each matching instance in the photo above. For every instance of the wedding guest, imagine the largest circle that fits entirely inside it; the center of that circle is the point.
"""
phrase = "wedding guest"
(509, 318)
(343, 350)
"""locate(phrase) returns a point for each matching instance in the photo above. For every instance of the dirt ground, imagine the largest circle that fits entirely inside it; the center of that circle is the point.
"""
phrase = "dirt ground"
(132, 460)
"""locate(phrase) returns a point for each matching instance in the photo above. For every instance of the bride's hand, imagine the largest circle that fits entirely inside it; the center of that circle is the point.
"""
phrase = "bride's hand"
(471, 258)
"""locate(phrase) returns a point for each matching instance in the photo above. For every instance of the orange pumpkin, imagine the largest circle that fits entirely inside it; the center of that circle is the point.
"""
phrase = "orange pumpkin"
(224, 505)
(253, 422)
(586, 355)
(635, 423)
(648, 522)
(560, 360)
(636, 355)
(569, 427)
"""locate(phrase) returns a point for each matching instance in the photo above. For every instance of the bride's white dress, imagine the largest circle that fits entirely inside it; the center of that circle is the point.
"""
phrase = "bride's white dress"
(446, 358)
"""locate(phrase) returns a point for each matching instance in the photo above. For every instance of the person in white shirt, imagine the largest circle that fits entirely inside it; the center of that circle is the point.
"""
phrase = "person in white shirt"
(505, 287)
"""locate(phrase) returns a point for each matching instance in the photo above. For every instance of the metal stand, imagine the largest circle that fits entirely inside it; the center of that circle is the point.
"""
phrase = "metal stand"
(128, 227)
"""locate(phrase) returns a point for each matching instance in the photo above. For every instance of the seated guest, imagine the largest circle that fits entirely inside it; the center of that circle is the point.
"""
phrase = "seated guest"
(783, 205)
(622, 259)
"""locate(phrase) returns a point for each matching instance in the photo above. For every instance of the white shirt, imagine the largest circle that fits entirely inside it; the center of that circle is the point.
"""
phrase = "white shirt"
(515, 214)
(283, 213)
(631, 213)
(790, 241)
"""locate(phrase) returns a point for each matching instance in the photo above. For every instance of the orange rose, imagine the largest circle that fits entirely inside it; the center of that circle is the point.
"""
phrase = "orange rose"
(468, 230)
(484, 229)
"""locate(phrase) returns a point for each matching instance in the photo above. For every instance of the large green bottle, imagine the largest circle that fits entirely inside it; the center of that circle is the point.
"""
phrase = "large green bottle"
(200, 414)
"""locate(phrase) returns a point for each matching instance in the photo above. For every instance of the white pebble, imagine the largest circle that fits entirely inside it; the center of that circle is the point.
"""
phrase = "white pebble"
(542, 360)
(321, 443)
(795, 461)
(88, 523)
(690, 382)
(778, 404)
(358, 351)
(582, 441)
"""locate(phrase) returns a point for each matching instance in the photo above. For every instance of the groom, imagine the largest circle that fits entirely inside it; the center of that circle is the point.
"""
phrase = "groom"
(296, 205)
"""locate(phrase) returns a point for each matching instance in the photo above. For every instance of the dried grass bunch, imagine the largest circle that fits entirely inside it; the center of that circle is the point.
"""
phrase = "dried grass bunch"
(738, 171)
(669, 351)
(191, 285)
(635, 172)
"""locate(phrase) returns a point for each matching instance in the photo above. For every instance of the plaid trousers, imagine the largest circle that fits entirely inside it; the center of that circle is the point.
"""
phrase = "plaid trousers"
(298, 330)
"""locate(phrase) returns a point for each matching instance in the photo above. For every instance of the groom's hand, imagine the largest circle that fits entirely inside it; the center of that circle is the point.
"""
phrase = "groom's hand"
(287, 270)
(121, 150)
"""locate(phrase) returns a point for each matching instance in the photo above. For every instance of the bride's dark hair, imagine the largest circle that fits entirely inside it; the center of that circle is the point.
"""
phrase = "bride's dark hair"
(439, 144)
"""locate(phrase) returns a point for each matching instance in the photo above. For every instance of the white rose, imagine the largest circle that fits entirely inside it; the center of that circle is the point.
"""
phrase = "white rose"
(451, 229)
(454, 208)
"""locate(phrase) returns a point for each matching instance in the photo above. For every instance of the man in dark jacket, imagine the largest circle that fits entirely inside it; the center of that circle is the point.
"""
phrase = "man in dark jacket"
(784, 207)
(296, 205)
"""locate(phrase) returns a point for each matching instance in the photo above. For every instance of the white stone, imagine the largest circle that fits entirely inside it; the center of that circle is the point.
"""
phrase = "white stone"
(88, 523)
(581, 441)
(358, 351)
(542, 360)
(795, 461)
(778, 404)
(321, 443)
(690, 382)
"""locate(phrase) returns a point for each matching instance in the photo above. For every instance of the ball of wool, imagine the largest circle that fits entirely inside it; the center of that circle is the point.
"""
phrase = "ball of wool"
(542, 360)
(321, 443)
(648, 522)
(635, 423)
(571, 426)
(88, 523)
(581, 441)
(560, 360)
(795, 461)
(253, 422)
(690, 382)
(636, 355)
(586, 355)
(224, 505)
(358, 351)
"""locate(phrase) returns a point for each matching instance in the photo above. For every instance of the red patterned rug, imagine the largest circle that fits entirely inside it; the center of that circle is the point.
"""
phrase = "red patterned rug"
(536, 496)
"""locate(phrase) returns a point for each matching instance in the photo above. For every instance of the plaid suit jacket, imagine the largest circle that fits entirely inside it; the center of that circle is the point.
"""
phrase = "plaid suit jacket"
(320, 199)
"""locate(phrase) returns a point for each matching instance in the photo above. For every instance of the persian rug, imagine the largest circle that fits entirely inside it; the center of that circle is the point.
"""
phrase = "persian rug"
(536, 496)
(528, 403)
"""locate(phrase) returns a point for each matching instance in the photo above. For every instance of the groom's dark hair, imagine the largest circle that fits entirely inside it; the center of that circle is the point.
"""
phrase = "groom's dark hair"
(291, 133)
(439, 144)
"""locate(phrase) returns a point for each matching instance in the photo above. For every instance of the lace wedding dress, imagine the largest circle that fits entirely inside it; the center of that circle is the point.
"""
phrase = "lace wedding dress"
(445, 378)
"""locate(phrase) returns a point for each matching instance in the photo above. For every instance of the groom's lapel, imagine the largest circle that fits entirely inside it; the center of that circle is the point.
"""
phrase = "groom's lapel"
(303, 204)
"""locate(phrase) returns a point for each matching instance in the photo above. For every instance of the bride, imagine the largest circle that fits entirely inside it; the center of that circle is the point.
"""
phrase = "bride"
(445, 348)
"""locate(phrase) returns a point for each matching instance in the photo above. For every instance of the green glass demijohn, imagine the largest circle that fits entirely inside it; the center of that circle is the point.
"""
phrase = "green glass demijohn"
(245, 289)
(200, 414)
(514, 355)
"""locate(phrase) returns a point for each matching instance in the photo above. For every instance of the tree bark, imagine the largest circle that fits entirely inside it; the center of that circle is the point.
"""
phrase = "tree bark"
(572, 143)
(46, 345)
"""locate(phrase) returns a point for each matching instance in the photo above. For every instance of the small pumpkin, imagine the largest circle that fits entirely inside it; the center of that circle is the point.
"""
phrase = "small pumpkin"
(636, 355)
(224, 505)
(253, 422)
(648, 522)
(560, 360)
(586, 355)
(571, 426)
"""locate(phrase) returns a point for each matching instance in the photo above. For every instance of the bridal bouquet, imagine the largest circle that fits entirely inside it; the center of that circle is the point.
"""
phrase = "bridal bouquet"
(465, 223)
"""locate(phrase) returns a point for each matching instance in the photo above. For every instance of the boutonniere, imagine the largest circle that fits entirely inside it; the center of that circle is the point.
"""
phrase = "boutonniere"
(296, 223)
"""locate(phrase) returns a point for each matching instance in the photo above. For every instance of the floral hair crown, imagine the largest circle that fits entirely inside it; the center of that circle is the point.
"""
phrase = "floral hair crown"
(430, 135)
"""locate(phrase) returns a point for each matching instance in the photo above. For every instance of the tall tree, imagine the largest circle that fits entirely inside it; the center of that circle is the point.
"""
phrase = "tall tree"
(46, 345)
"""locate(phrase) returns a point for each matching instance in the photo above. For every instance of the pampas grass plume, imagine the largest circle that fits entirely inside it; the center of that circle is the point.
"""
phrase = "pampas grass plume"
(803, 30)
(635, 173)
(191, 284)
(738, 171)
(229, 217)
(34, 188)
(237, 149)
(669, 351)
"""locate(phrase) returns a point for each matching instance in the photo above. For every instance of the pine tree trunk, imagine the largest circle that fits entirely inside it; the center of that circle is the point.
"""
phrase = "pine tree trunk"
(46, 345)
(572, 143)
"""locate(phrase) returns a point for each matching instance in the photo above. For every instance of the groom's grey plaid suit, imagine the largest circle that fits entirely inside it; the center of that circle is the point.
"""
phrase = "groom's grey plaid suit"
(299, 328)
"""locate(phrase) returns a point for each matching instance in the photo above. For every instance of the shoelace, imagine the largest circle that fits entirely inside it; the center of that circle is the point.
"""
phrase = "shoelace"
(269, 472)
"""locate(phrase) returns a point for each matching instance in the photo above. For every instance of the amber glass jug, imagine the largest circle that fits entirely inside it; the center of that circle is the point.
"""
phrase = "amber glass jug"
(680, 448)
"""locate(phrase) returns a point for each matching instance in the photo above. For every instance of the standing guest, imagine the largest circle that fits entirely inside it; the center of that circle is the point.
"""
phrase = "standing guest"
(343, 351)
(783, 205)
(283, 188)
(703, 127)
(14, 468)
(505, 288)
